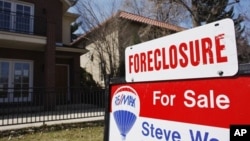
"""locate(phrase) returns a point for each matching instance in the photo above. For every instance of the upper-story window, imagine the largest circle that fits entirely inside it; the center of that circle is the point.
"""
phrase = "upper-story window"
(16, 16)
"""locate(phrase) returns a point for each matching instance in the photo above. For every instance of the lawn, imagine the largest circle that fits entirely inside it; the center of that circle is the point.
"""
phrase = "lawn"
(77, 133)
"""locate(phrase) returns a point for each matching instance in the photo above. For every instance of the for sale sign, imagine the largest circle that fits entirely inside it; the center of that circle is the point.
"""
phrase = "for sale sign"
(203, 52)
(190, 110)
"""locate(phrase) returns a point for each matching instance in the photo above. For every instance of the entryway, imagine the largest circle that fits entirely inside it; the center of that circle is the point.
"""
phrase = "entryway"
(62, 83)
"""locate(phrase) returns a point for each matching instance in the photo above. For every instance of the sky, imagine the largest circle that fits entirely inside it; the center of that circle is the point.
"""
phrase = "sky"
(243, 8)
(105, 6)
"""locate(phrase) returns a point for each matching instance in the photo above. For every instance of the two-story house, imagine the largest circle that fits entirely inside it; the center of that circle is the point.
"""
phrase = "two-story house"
(35, 50)
(106, 54)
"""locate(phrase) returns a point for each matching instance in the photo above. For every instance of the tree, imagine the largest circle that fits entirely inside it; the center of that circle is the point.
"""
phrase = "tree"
(213, 10)
(161, 10)
(243, 9)
(206, 11)
(243, 49)
(87, 80)
(104, 39)
(73, 28)
(201, 12)
(103, 32)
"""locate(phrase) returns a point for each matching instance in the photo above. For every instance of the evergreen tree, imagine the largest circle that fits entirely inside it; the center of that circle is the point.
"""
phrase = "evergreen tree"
(206, 11)
(73, 28)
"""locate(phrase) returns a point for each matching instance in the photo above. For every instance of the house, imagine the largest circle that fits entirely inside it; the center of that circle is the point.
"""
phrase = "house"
(36, 50)
(106, 43)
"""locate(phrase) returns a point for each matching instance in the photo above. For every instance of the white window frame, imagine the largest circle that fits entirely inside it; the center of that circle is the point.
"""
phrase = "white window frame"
(14, 3)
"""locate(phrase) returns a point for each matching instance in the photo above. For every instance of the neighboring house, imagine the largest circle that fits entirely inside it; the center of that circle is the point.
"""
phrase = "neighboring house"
(35, 50)
(106, 54)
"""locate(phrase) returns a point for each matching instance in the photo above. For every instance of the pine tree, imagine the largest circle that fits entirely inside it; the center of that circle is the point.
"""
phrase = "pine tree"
(206, 11)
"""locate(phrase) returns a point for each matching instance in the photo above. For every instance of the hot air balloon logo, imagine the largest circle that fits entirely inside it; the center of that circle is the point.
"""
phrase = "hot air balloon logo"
(126, 108)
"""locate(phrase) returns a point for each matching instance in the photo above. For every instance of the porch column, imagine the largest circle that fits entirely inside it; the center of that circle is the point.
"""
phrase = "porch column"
(50, 67)
(76, 67)
(76, 96)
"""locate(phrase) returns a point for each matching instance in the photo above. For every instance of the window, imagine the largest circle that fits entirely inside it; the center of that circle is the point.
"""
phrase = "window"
(4, 79)
(16, 16)
(5, 14)
(16, 80)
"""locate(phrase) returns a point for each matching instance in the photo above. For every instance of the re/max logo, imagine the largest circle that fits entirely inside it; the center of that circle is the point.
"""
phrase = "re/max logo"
(125, 100)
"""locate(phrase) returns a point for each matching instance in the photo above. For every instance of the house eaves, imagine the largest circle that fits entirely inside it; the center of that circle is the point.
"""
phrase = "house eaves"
(69, 3)
(145, 20)
(70, 49)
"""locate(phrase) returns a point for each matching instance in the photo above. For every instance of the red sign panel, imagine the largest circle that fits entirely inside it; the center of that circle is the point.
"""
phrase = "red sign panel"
(205, 102)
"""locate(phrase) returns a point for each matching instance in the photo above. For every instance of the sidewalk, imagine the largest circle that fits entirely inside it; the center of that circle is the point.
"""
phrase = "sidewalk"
(21, 126)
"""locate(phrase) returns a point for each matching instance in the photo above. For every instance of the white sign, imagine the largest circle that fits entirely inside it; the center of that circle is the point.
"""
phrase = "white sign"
(202, 52)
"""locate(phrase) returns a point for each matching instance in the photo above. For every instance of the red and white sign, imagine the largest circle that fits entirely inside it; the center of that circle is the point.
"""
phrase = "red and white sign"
(190, 110)
(203, 52)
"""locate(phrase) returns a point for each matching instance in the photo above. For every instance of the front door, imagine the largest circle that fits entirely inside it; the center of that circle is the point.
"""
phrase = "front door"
(62, 83)
(16, 80)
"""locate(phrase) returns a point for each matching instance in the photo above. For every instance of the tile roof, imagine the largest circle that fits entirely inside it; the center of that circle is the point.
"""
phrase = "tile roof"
(136, 18)
(141, 19)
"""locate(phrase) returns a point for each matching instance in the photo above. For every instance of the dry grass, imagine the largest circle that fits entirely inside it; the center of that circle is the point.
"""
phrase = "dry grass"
(76, 133)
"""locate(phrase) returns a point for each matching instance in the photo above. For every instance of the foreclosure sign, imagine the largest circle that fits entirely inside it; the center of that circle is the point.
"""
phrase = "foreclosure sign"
(190, 110)
(202, 52)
